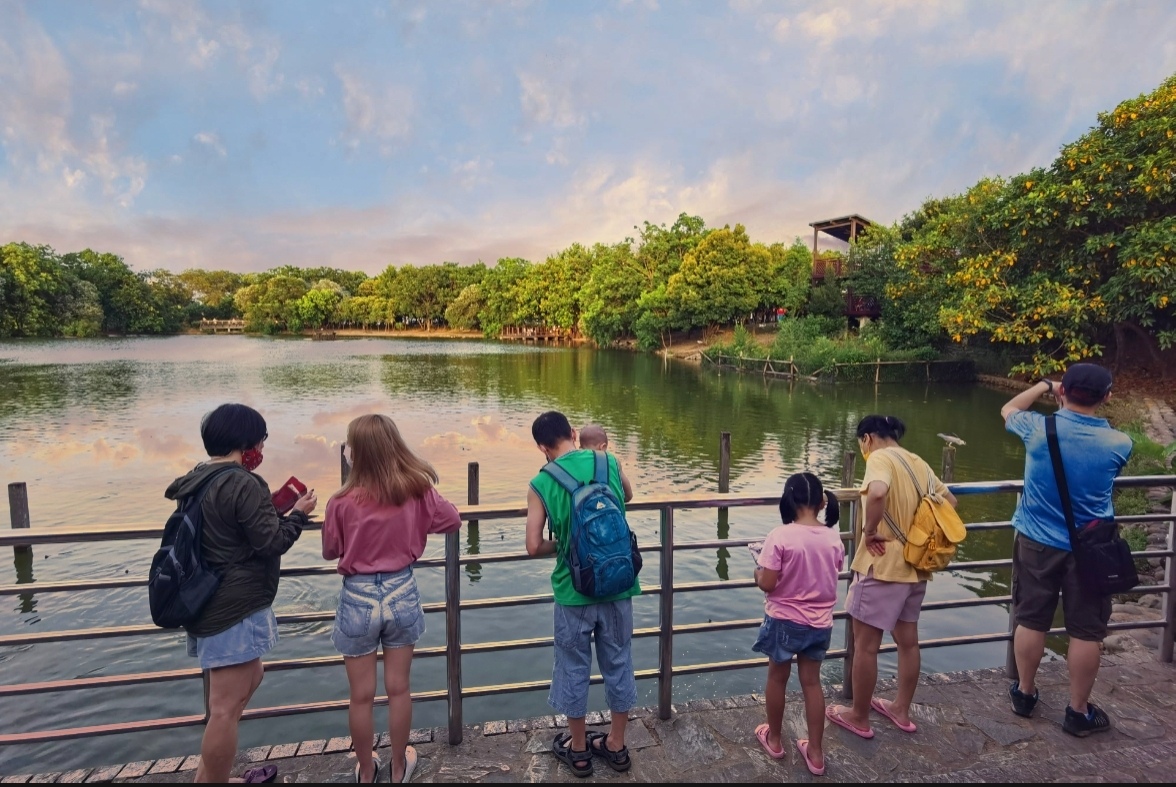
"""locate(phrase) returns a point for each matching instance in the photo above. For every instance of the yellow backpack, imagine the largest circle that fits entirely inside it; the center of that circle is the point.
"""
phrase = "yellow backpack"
(935, 531)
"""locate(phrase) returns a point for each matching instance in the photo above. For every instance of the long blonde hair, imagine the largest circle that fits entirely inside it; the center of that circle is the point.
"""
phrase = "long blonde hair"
(383, 468)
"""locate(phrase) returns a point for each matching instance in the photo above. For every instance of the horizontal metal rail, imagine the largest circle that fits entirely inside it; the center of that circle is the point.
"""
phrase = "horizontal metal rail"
(665, 631)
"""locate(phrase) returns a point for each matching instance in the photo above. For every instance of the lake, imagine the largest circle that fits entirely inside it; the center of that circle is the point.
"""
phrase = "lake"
(98, 428)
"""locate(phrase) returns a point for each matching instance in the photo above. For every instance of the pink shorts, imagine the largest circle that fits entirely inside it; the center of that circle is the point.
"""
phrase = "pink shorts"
(883, 604)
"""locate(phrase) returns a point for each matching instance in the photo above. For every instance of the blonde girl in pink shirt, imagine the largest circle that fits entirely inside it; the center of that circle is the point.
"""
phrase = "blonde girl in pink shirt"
(797, 570)
(376, 526)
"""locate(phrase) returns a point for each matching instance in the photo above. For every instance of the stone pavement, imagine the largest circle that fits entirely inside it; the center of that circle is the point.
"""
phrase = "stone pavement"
(966, 733)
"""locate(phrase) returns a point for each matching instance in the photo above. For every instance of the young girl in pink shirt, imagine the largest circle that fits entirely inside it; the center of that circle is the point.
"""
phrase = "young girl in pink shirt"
(376, 526)
(797, 570)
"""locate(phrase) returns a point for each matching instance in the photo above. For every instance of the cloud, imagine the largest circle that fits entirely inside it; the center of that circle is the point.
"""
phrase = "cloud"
(383, 114)
(546, 103)
(212, 141)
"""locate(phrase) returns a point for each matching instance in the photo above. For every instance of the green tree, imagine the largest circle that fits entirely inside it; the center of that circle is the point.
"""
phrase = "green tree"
(718, 281)
(610, 293)
(318, 305)
(500, 291)
(790, 271)
(32, 285)
(463, 312)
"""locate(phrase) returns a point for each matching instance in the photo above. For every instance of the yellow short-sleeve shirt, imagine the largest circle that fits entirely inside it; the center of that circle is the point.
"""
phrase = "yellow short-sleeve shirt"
(901, 501)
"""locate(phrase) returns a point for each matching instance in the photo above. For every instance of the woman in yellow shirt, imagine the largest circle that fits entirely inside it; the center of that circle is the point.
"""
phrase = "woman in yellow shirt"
(887, 591)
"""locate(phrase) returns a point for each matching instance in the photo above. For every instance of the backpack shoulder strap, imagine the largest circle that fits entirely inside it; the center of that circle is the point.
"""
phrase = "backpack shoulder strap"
(910, 470)
(561, 476)
(600, 471)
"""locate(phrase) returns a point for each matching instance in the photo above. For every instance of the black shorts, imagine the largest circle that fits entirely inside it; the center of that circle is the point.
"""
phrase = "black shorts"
(1040, 573)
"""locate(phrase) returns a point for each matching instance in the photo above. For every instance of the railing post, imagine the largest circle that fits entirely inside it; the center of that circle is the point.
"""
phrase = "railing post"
(1169, 631)
(1010, 652)
(665, 637)
(18, 513)
(344, 468)
(453, 636)
(848, 468)
(948, 474)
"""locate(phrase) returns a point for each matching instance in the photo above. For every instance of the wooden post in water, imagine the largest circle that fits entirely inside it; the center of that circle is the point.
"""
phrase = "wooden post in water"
(472, 487)
(18, 513)
(848, 467)
(948, 475)
(724, 463)
(724, 479)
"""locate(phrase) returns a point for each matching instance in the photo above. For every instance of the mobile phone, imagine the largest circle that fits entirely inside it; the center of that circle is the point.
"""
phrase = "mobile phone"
(285, 498)
(755, 548)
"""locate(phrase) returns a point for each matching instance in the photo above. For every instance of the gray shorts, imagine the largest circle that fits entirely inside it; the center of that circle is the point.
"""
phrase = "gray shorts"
(378, 609)
(883, 604)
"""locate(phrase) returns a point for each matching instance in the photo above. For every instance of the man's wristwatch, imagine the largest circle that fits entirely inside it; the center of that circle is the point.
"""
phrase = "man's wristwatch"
(1048, 385)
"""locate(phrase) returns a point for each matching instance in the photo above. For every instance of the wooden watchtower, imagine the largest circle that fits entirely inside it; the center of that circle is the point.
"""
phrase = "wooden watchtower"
(834, 266)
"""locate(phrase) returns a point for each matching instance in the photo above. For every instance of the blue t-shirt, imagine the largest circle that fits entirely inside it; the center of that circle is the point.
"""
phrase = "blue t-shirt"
(1093, 454)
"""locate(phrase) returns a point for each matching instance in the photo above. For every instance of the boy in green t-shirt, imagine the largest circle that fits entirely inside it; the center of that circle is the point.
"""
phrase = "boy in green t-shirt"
(581, 619)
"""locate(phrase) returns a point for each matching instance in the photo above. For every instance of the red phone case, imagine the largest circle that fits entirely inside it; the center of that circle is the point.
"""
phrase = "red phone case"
(285, 498)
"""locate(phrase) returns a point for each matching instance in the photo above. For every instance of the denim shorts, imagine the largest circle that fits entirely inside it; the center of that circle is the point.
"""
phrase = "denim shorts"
(611, 625)
(242, 642)
(378, 609)
(780, 640)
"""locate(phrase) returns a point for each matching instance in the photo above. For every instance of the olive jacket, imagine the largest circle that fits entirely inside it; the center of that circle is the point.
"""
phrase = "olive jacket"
(244, 540)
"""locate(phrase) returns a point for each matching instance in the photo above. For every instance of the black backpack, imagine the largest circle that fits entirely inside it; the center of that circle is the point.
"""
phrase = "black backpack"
(180, 585)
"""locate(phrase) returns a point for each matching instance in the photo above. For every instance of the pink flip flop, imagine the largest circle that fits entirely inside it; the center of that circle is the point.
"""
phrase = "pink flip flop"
(883, 707)
(834, 715)
(761, 734)
(802, 744)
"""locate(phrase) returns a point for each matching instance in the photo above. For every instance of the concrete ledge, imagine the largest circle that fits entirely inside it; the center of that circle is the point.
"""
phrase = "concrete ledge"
(966, 733)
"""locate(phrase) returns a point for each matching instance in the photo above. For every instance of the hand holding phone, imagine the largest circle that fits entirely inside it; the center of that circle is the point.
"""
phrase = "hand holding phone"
(289, 494)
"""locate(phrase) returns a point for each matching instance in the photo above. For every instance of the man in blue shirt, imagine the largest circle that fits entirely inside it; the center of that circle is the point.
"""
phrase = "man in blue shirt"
(1093, 454)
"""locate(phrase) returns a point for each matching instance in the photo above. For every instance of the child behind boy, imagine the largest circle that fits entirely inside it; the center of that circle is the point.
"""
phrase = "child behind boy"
(594, 438)
(797, 570)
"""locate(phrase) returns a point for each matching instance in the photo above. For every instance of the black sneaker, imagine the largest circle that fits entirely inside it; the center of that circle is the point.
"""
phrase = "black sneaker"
(1023, 704)
(1083, 724)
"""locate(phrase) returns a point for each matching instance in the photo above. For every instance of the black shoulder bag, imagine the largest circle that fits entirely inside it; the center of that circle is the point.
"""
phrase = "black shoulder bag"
(1104, 559)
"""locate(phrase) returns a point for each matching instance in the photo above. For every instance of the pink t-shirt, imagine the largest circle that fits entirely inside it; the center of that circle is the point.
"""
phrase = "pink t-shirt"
(374, 539)
(808, 559)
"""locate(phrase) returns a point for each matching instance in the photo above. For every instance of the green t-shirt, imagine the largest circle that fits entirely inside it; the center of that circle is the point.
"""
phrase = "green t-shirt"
(558, 502)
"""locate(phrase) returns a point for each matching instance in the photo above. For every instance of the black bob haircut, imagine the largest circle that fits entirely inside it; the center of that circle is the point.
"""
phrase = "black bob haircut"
(232, 427)
(551, 427)
(885, 426)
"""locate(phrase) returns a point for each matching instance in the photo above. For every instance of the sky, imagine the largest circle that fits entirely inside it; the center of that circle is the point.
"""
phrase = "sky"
(245, 135)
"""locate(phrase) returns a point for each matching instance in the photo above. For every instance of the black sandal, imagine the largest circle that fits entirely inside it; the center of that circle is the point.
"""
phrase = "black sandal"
(617, 760)
(561, 747)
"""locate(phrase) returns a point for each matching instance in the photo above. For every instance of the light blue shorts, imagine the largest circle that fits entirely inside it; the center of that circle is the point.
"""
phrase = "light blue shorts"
(610, 626)
(250, 639)
(378, 609)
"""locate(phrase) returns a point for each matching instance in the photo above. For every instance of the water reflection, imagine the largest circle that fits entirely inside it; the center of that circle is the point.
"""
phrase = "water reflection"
(22, 562)
(116, 421)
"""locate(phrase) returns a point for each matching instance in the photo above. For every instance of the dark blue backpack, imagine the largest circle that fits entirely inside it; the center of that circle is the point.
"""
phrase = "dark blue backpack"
(602, 550)
(180, 585)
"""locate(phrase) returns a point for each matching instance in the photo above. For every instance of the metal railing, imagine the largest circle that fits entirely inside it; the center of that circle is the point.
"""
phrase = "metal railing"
(454, 650)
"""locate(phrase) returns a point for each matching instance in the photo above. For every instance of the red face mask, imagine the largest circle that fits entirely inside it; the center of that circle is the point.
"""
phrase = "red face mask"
(251, 459)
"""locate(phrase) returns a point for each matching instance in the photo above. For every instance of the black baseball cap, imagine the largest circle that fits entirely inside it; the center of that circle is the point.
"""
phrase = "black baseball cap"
(1088, 376)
